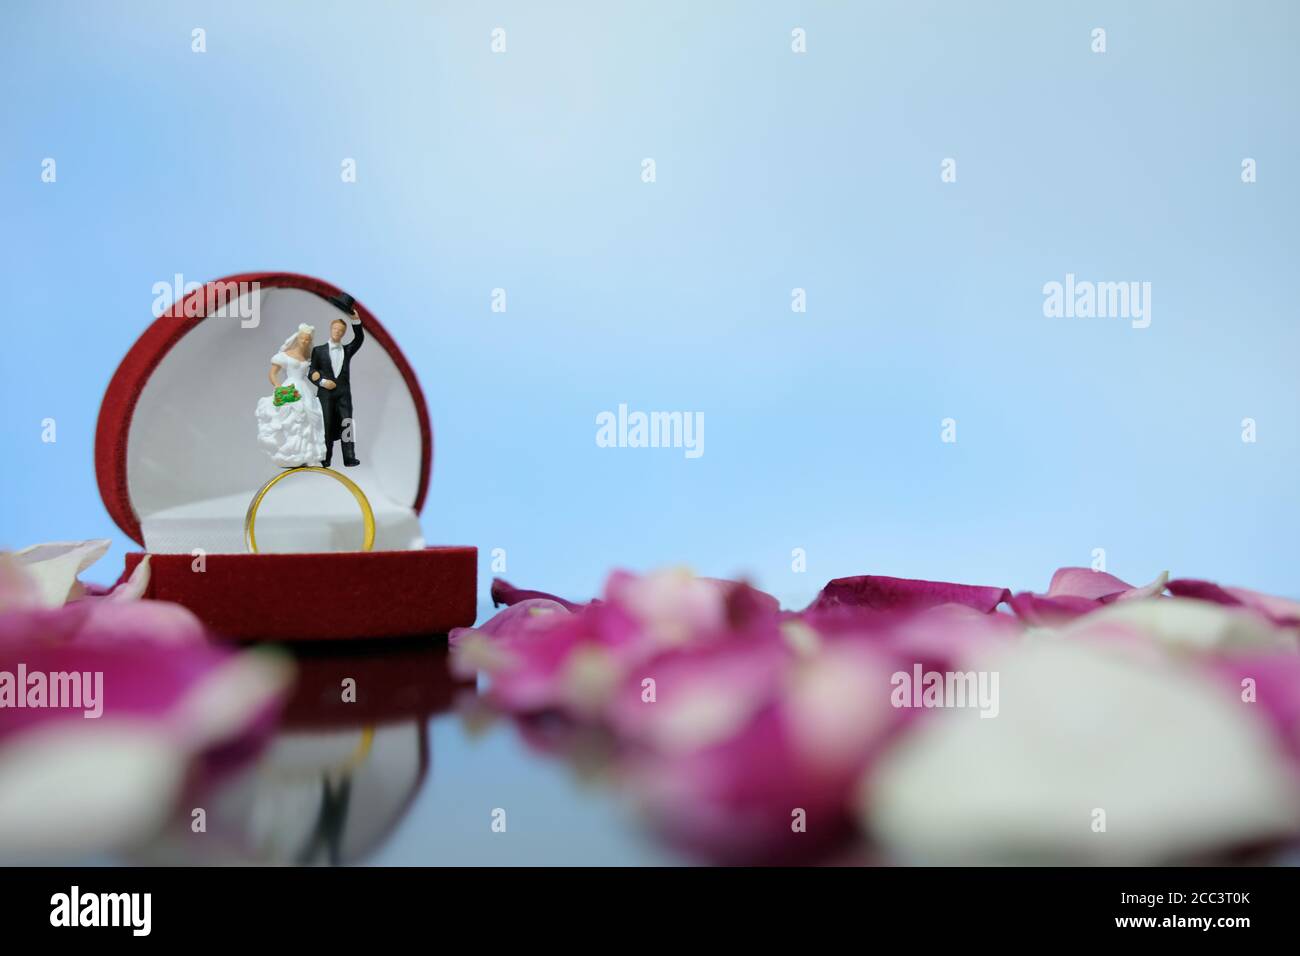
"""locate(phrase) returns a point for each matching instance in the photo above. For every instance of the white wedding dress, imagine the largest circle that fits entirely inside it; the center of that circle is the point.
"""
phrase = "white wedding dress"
(292, 434)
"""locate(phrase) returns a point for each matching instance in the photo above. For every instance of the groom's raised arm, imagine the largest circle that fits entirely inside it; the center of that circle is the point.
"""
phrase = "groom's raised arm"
(358, 336)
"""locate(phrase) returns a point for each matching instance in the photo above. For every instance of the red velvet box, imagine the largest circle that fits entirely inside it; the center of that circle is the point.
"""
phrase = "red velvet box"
(177, 460)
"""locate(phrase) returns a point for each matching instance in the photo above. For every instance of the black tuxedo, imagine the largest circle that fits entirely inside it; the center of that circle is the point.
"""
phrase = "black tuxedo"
(336, 403)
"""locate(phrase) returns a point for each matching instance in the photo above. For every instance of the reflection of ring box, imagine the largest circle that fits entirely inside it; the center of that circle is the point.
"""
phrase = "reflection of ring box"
(340, 773)
(178, 461)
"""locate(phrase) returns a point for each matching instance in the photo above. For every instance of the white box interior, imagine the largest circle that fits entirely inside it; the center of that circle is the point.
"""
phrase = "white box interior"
(193, 461)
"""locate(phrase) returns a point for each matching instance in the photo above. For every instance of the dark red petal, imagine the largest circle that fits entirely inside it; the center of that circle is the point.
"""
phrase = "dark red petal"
(1278, 610)
(503, 592)
(747, 606)
(880, 593)
(1202, 591)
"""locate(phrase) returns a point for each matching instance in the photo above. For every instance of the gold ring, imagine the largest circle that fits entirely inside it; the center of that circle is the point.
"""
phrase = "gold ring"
(353, 761)
(367, 513)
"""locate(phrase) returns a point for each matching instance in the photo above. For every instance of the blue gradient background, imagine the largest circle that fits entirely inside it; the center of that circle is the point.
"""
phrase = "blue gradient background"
(775, 170)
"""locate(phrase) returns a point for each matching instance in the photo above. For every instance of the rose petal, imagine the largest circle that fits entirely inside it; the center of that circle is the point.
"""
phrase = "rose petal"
(777, 787)
(837, 705)
(55, 566)
(1282, 610)
(1182, 623)
(1273, 690)
(949, 634)
(888, 594)
(672, 606)
(1202, 591)
(503, 592)
(1042, 611)
(231, 696)
(701, 695)
(739, 800)
(1074, 592)
(159, 621)
(529, 613)
(1154, 589)
(1085, 583)
(84, 787)
(1278, 609)
(134, 587)
(1173, 764)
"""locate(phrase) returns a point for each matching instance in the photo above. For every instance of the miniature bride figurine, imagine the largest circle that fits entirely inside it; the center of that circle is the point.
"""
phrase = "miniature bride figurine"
(290, 425)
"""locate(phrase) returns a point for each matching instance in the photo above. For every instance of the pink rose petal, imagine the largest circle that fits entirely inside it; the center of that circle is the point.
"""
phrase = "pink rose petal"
(1085, 583)
(1041, 611)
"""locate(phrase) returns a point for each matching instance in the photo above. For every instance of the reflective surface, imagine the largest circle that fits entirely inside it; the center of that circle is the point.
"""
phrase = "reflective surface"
(382, 757)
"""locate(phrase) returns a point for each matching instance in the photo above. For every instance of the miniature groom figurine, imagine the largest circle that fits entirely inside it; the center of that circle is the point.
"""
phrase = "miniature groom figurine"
(331, 365)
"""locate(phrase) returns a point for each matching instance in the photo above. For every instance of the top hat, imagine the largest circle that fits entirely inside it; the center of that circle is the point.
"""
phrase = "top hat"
(343, 302)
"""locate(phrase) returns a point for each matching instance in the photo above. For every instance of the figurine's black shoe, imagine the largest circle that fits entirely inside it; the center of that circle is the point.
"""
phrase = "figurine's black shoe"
(325, 463)
(351, 463)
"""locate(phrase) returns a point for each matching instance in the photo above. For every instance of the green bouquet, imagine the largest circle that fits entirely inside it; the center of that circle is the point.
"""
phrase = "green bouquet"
(284, 394)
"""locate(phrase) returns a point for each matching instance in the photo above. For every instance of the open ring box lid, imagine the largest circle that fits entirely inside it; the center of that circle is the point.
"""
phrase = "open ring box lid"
(177, 460)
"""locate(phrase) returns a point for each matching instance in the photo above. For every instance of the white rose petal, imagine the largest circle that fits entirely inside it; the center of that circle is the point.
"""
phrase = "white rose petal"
(82, 787)
(1177, 766)
(55, 566)
(1189, 624)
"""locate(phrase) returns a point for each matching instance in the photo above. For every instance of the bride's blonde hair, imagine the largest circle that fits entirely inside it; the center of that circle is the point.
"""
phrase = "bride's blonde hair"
(289, 342)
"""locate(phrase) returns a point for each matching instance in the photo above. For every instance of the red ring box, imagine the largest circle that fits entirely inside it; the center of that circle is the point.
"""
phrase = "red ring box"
(177, 461)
